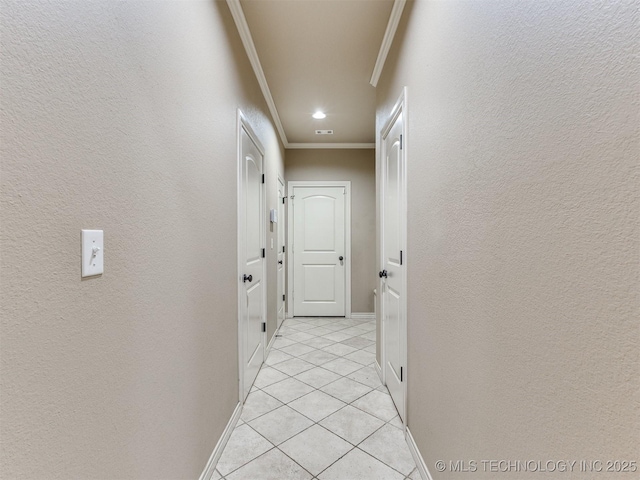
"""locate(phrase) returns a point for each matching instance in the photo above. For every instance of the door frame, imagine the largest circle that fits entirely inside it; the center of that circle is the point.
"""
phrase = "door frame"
(243, 123)
(400, 107)
(284, 244)
(291, 185)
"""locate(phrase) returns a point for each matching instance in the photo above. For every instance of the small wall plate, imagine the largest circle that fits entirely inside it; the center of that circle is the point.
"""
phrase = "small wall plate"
(92, 252)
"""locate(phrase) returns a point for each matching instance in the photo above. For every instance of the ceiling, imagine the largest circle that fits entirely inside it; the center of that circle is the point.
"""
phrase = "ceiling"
(317, 55)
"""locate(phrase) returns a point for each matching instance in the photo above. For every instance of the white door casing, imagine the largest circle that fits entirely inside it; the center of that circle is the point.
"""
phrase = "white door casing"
(251, 264)
(393, 282)
(319, 249)
(281, 254)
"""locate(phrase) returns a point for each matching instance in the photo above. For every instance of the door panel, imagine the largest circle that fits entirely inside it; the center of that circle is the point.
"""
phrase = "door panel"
(319, 241)
(393, 288)
(393, 316)
(318, 283)
(252, 238)
(319, 223)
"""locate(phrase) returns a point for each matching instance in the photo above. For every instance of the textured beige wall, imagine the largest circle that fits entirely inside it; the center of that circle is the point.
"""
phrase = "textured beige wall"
(120, 116)
(359, 167)
(523, 241)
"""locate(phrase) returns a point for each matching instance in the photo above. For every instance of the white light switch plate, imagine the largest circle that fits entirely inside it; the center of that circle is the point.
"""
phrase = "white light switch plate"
(92, 252)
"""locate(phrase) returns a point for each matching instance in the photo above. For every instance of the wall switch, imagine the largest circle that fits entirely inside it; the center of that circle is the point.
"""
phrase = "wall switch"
(92, 252)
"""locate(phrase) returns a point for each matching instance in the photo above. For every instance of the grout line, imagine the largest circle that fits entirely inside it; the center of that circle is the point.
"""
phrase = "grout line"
(285, 454)
(296, 434)
(384, 463)
(288, 325)
(349, 441)
(338, 459)
(262, 414)
(247, 463)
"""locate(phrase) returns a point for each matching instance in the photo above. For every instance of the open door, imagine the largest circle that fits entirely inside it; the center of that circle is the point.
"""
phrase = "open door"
(393, 262)
(251, 262)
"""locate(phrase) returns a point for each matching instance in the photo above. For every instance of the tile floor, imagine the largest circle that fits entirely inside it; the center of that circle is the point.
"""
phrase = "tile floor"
(317, 410)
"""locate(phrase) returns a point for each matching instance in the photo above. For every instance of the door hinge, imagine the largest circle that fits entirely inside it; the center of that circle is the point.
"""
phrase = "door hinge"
(283, 298)
(263, 178)
(400, 146)
(264, 326)
(400, 257)
(264, 252)
(283, 199)
(401, 374)
(283, 249)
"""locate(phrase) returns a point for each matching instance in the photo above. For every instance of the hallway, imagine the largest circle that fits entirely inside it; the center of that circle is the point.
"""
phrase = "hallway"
(503, 244)
(318, 410)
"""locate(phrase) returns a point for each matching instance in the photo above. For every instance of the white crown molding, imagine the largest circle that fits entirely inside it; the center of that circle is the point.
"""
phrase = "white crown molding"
(389, 34)
(247, 40)
(249, 46)
(330, 145)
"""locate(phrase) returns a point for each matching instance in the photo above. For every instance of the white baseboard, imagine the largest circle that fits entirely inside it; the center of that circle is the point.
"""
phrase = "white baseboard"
(207, 473)
(417, 457)
(379, 370)
(363, 315)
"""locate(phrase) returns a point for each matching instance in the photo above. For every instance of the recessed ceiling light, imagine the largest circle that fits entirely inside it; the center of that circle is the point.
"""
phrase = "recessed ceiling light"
(319, 115)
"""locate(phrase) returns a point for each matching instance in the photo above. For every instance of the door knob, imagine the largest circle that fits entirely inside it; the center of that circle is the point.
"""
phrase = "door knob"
(340, 258)
(383, 273)
(280, 262)
(247, 277)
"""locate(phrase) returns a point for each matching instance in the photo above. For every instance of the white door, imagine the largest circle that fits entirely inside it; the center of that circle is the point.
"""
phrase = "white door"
(251, 244)
(319, 250)
(393, 264)
(281, 270)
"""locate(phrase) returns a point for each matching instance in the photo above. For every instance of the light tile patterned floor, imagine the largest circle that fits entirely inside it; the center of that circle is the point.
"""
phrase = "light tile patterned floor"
(317, 410)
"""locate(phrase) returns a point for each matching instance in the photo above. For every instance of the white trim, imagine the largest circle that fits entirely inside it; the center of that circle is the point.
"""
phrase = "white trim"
(363, 315)
(330, 145)
(398, 108)
(210, 467)
(379, 370)
(406, 141)
(242, 123)
(291, 184)
(239, 216)
(389, 34)
(249, 46)
(273, 339)
(417, 456)
(281, 181)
